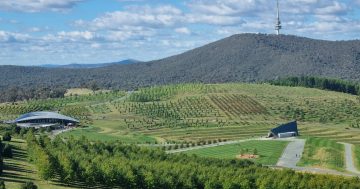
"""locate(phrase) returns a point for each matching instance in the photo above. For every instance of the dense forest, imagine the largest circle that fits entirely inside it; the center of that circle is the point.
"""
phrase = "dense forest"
(244, 57)
(319, 83)
(14, 94)
(130, 166)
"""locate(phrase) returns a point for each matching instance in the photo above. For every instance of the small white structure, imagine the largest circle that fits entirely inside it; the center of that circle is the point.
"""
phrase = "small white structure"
(287, 134)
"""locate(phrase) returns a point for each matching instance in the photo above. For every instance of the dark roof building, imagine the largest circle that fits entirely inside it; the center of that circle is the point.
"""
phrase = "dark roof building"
(285, 130)
(43, 119)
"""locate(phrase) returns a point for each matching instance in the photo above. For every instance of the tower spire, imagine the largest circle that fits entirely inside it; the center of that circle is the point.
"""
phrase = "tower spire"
(278, 22)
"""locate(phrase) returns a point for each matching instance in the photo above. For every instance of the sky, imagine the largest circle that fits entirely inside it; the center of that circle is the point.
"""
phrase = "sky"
(35, 32)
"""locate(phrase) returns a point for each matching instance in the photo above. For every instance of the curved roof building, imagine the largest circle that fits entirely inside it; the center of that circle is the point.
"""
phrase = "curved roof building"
(43, 119)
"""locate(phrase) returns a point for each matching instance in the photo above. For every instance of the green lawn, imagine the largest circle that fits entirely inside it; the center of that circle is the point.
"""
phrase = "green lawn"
(356, 150)
(323, 153)
(94, 133)
(269, 151)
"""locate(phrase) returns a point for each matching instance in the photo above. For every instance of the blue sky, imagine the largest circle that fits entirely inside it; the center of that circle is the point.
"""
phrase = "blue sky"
(34, 32)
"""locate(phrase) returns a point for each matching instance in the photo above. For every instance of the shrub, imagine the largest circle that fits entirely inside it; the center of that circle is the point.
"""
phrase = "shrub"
(23, 132)
(28, 185)
(49, 129)
(2, 184)
(7, 136)
(255, 152)
(7, 151)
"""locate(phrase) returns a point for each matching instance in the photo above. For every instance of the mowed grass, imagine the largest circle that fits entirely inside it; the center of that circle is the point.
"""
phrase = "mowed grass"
(356, 153)
(81, 91)
(269, 151)
(96, 134)
(335, 132)
(323, 153)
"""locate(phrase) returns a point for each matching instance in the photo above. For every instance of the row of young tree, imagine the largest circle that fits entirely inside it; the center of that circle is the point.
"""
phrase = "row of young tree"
(5, 151)
(129, 166)
(320, 83)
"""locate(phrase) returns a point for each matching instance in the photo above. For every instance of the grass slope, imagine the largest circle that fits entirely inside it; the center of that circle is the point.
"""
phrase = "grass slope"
(323, 153)
(356, 153)
(269, 151)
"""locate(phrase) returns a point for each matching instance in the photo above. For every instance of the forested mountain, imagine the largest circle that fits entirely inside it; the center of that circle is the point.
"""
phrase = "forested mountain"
(243, 57)
(78, 66)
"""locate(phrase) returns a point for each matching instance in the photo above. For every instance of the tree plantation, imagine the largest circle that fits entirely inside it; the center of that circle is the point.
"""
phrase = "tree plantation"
(115, 164)
(183, 136)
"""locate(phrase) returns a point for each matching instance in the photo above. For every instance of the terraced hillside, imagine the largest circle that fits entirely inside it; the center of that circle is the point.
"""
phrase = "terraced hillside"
(195, 113)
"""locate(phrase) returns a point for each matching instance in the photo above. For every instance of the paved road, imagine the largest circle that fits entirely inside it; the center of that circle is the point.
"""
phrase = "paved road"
(349, 159)
(292, 153)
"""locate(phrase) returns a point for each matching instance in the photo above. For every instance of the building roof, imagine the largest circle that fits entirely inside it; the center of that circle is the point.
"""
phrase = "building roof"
(44, 115)
(285, 128)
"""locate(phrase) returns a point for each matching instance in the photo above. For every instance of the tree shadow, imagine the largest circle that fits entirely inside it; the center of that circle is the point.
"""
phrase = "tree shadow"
(17, 168)
(81, 184)
(14, 176)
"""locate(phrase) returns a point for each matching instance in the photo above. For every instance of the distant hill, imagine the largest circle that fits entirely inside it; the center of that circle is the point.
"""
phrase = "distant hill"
(243, 57)
(78, 66)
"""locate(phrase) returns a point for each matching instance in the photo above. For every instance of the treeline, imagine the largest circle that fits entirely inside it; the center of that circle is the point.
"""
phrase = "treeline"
(14, 94)
(319, 83)
(115, 164)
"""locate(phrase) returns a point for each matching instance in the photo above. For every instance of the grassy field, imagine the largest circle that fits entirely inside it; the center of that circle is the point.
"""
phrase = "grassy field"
(269, 151)
(320, 152)
(82, 91)
(93, 133)
(356, 151)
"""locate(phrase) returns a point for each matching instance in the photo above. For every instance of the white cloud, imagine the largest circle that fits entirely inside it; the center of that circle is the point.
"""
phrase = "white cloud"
(11, 37)
(183, 30)
(71, 36)
(144, 16)
(335, 8)
(160, 30)
(95, 45)
(37, 5)
(34, 29)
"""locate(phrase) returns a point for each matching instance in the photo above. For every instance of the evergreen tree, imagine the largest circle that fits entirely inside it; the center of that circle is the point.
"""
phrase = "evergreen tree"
(7, 136)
